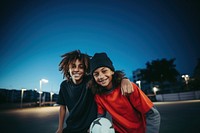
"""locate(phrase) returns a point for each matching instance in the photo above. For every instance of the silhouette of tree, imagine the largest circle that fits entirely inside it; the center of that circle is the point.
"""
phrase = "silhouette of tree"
(195, 83)
(160, 71)
(197, 70)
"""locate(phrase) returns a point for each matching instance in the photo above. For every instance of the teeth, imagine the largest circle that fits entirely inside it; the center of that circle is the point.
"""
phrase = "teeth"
(102, 81)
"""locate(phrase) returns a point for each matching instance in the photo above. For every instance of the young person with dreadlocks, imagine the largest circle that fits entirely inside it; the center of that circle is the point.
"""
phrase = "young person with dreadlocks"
(74, 95)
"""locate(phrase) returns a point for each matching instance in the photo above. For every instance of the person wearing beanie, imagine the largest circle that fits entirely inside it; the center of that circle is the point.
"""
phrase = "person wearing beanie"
(134, 113)
(100, 59)
(74, 98)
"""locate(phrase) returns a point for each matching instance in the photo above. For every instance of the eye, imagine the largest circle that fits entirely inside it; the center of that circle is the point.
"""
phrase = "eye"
(73, 66)
(104, 71)
(81, 66)
(95, 74)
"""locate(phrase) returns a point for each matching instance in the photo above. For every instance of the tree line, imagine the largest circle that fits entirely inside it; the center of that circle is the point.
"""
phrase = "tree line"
(163, 70)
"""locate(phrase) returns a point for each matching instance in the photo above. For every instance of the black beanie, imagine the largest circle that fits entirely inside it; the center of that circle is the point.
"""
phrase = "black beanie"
(100, 60)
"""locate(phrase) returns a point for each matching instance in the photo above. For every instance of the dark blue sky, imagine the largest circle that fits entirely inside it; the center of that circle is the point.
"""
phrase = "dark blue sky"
(34, 34)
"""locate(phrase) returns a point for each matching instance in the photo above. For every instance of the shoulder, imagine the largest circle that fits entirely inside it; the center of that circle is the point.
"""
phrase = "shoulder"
(63, 82)
(136, 89)
(138, 93)
(134, 86)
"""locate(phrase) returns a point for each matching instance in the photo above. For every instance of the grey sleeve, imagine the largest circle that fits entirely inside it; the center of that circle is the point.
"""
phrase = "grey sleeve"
(101, 115)
(153, 121)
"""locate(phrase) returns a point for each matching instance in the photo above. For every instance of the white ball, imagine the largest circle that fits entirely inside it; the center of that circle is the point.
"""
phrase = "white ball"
(101, 125)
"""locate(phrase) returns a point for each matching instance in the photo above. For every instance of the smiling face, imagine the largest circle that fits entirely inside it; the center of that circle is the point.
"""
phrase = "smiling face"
(103, 77)
(76, 71)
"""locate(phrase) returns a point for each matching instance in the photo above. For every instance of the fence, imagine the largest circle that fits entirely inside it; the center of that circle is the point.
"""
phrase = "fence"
(178, 96)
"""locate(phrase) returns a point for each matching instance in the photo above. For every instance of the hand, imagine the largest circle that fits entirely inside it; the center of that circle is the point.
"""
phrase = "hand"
(59, 131)
(126, 87)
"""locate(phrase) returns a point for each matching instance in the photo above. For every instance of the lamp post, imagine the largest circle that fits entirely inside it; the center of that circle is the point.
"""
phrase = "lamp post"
(155, 89)
(40, 97)
(51, 96)
(186, 78)
(139, 83)
(40, 92)
(22, 93)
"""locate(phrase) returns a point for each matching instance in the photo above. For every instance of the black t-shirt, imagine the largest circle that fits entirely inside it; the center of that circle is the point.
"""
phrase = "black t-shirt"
(69, 93)
(80, 103)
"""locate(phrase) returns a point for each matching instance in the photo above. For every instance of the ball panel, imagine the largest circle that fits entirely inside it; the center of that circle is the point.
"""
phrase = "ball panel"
(101, 125)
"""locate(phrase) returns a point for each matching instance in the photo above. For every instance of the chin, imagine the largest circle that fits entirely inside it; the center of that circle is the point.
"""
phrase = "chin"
(77, 78)
(104, 85)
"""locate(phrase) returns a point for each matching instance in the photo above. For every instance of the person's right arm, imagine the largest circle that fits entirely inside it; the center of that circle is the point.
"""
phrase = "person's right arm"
(61, 118)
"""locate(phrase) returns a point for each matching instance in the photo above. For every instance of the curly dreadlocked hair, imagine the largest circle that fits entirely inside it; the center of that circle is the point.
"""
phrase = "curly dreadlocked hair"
(71, 57)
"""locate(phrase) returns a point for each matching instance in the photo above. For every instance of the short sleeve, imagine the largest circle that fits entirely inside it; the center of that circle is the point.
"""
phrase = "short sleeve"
(139, 100)
(61, 96)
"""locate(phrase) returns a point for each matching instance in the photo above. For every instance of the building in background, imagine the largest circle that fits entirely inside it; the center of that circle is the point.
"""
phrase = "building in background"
(29, 96)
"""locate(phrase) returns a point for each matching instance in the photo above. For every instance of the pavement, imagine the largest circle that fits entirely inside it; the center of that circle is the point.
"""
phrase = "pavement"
(176, 117)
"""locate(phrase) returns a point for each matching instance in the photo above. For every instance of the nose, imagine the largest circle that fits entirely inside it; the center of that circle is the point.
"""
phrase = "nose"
(100, 76)
(76, 69)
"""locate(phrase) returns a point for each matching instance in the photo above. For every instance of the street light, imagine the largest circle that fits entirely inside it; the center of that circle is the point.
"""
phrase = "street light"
(51, 96)
(155, 89)
(186, 78)
(22, 93)
(40, 92)
(43, 81)
(40, 97)
(139, 83)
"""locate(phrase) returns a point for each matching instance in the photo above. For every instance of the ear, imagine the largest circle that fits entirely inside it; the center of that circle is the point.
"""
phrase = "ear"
(113, 73)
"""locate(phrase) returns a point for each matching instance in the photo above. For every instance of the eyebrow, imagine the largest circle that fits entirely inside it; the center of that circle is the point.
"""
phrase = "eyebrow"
(104, 68)
(73, 63)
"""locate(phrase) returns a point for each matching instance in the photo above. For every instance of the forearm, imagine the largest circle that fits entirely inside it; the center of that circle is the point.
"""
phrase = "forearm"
(62, 114)
(152, 121)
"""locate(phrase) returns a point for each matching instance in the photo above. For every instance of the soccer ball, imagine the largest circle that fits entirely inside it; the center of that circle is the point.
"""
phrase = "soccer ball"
(101, 125)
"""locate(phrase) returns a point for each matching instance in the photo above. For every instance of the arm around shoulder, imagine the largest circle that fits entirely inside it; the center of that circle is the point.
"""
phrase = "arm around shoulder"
(126, 86)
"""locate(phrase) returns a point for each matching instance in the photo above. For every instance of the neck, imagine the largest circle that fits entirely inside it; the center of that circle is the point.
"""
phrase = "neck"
(109, 86)
(77, 81)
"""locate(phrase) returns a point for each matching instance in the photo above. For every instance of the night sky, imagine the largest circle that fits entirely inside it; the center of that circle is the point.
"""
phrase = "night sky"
(34, 34)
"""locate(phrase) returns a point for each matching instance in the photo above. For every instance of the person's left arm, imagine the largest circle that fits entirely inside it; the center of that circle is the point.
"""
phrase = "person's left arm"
(146, 107)
(126, 86)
